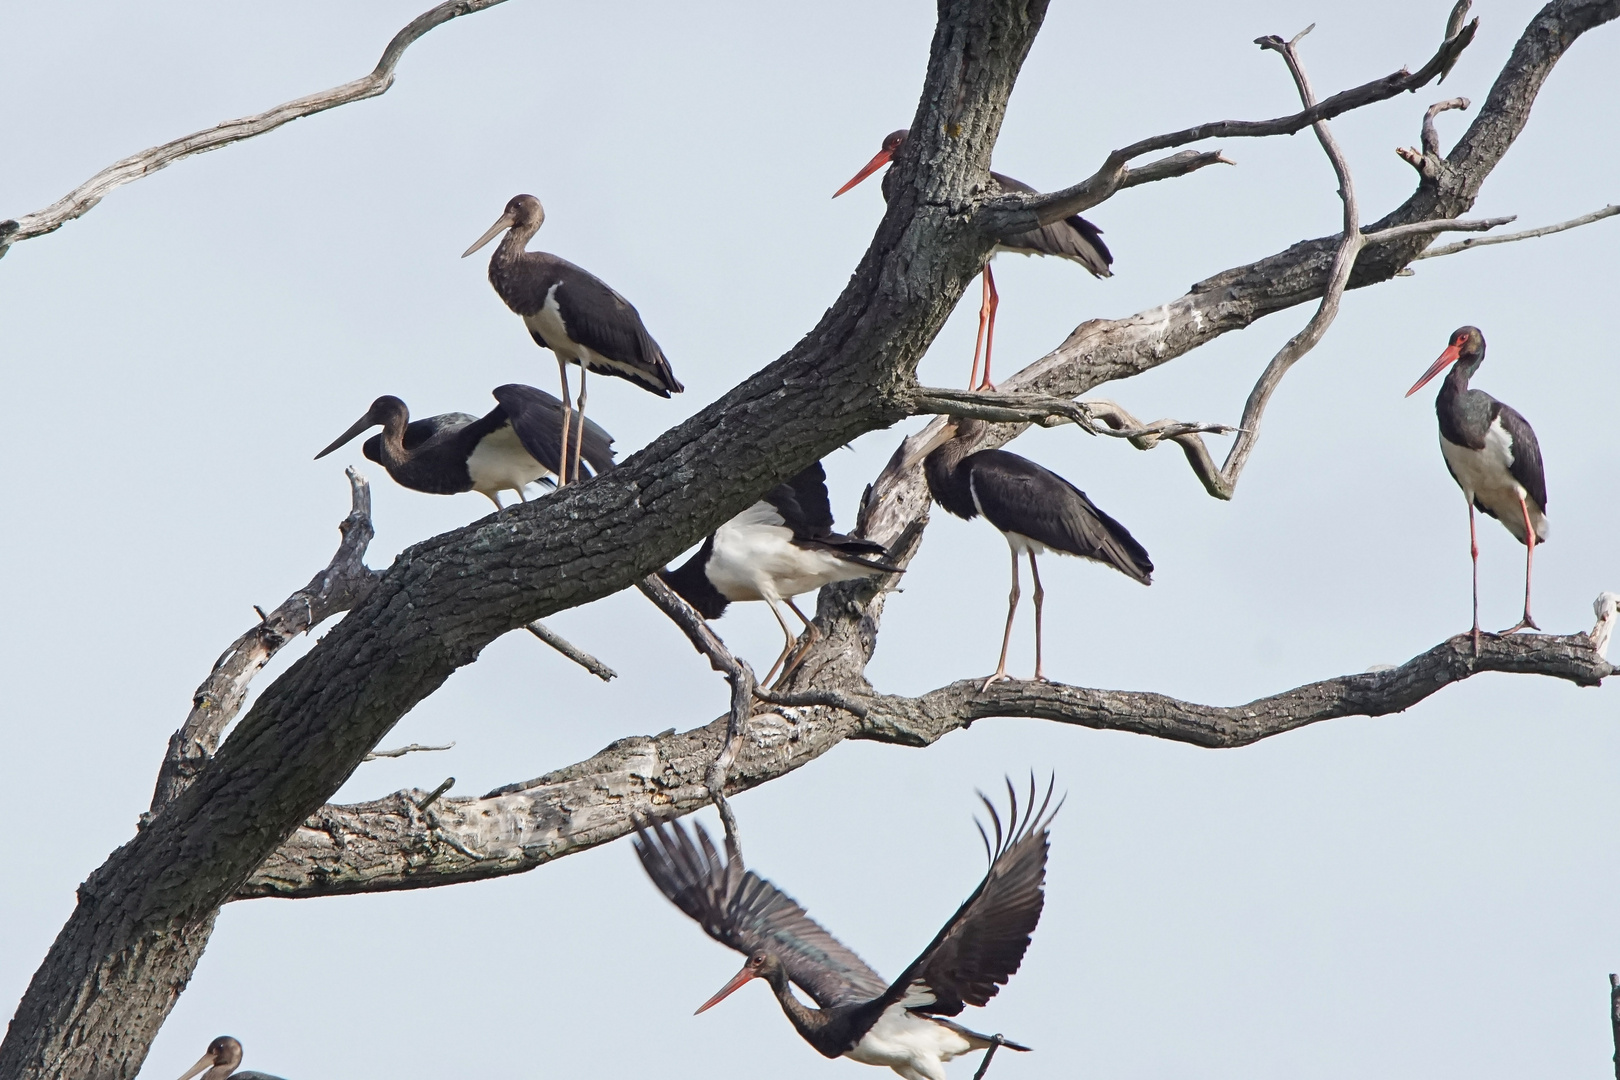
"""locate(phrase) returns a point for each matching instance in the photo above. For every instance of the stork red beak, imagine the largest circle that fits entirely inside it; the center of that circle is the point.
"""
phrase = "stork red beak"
(204, 1062)
(872, 166)
(1447, 357)
(726, 991)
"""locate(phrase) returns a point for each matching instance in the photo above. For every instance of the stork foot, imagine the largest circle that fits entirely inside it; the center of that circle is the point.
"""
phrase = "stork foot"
(1476, 641)
(1000, 676)
(1526, 623)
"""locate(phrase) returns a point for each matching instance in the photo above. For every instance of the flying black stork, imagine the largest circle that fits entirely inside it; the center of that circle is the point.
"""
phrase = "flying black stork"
(780, 547)
(573, 313)
(903, 1024)
(1034, 508)
(1073, 238)
(513, 444)
(223, 1056)
(1493, 455)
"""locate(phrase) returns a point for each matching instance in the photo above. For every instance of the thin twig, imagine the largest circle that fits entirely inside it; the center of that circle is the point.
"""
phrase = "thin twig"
(401, 751)
(82, 198)
(1015, 407)
(743, 688)
(1221, 482)
(1527, 234)
(984, 1066)
(572, 651)
(449, 782)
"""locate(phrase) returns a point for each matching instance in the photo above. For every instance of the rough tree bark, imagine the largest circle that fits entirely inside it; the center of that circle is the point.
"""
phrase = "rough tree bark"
(144, 917)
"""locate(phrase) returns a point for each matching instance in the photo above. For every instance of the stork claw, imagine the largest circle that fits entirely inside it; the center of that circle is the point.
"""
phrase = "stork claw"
(1526, 623)
(1000, 676)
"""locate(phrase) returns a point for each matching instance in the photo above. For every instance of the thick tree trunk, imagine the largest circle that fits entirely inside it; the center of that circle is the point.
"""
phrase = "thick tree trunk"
(130, 946)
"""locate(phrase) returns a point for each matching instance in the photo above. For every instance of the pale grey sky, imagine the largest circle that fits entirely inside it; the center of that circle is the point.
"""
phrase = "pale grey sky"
(1423, 895)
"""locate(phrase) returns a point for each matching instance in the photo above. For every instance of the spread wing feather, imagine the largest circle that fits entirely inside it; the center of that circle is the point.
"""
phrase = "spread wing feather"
(740, 909)
(983, 944)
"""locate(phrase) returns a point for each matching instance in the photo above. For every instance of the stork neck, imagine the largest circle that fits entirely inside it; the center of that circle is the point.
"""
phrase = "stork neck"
(513, 244)
(816, 1026)
(393, 449)
(948, 479)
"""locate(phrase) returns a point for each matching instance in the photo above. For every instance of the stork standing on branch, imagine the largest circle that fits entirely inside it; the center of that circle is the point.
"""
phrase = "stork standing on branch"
(902, 1024)
(1493, 455)
(573, 313)
(1033, 507)
(782, 546)
(514, 444)
(1074, 238)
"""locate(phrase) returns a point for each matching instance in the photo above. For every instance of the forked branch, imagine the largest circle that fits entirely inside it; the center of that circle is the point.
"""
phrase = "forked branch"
(81, 199)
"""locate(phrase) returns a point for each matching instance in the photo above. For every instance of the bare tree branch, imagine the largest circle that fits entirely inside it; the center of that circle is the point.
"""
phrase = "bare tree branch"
(741, 677)
(337, 588)
(1015, 213)
(1045, 411)
(81, 199)
(572, 651)
(385, 845)
(401, 751)
(1507, 238)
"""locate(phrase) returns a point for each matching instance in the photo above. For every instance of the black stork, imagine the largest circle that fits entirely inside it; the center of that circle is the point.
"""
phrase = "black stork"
(223, 1056)
(902, 1024)
(1073, 238)
(780, 547)
(513, 444)
(1493, 455)
(1034, 508)
(573, 313)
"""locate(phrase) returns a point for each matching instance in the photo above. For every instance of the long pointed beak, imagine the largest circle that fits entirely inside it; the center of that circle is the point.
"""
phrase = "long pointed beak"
(872, 166)
(1447, 357)
(726, 991)
(204, 1062)
(500, 226)
(927, 446)
(356, 428)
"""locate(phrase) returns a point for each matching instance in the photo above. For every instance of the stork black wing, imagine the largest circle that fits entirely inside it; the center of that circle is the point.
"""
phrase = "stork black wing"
(1019, 496)
(814, 509)
(1526, 468)
(537, 417)
(740, 909)
(606, 323)
(982, 945)
(1072, 238)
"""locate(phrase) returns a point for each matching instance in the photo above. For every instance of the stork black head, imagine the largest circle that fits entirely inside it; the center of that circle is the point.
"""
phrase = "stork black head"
(387, 410)
(760, 965)
(223, 1056)
(1467, 346)
(523, 215)
(891, 147)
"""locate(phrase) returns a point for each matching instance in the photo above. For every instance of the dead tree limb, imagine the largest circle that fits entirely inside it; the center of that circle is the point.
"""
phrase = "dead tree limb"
(517, 828)
(83, 198)
(344, 581)
(572, 651)
(1528, 234)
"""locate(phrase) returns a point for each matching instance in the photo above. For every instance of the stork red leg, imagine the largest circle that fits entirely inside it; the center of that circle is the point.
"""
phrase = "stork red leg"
(1040, 595)
(787, 649)
(987, 331)
(1526, 623)
(579, 433)
(1473, 551)
(812, 636)
(568, 415)
(1006, 635)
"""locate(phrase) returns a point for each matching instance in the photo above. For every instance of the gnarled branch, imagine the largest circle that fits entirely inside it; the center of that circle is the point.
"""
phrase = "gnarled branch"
(83, 198)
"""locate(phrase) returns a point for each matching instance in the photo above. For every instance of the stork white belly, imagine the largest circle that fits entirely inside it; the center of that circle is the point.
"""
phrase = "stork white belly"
(499, 463)
(913, 1046)
(547, 326)
(1485, 477)
(756, 560)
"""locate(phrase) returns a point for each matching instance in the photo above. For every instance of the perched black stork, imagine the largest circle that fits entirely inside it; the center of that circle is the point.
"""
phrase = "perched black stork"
(1034, 508)
(223, 1056)
(1493, 455)
(573, 313)
(780, 547)
(1073, 238)
(901, 1024)
(513, 444)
